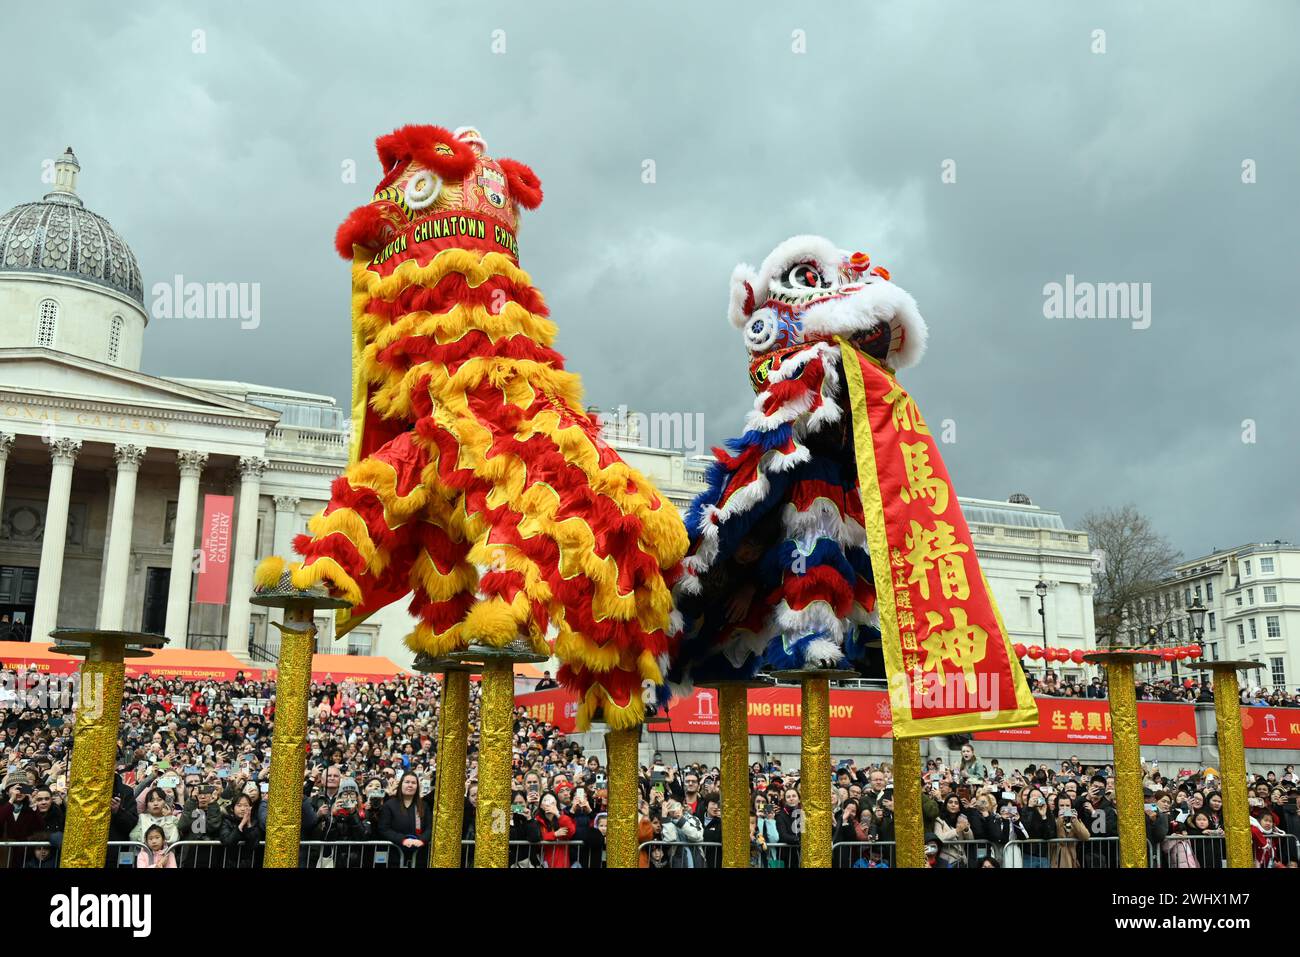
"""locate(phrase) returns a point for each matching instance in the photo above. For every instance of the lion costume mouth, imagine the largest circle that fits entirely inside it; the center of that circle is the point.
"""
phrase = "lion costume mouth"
(876, 341)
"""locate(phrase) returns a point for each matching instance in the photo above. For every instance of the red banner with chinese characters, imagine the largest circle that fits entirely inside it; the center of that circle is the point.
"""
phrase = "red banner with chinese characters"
(214, 549)
(1271, 727)
(947, 654)
(1087, 721)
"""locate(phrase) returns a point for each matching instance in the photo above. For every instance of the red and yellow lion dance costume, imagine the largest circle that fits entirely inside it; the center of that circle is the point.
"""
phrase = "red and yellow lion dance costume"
(476, 479)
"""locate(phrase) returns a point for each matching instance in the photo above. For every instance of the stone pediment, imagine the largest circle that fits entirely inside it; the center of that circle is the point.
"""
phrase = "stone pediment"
(42, 388)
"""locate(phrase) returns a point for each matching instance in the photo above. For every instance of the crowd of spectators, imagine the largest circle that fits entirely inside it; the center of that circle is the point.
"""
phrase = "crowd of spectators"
(194, 768)
(1186, 689)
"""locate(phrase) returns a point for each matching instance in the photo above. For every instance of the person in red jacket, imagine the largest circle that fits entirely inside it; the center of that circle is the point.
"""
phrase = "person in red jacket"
(555, 826)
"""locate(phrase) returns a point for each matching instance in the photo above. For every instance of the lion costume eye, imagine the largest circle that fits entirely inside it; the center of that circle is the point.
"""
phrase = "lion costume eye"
(422, 190)
(805, 276)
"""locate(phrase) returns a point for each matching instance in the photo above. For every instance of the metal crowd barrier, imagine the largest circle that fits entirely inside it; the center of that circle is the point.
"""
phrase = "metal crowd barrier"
(964, 853)
(42, 854)
(1057, 852)
(1206, 851)
(525, 854)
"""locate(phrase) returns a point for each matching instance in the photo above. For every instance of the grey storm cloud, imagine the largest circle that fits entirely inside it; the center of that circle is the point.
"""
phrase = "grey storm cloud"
(1123, 166)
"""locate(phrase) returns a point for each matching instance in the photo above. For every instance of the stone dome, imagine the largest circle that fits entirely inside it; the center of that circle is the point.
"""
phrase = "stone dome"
(59, 236)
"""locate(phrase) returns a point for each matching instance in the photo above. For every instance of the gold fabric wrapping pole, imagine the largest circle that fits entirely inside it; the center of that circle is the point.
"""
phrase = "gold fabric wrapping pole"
(624, 797)
(1232, 761)
(815, 760)
(449, 813)
(94, 762)
(292, 687)
(1128, 763)
(94, 741)
(909, 822)
(492, 824)
(289, 738)
(733, 727)
(815, 774)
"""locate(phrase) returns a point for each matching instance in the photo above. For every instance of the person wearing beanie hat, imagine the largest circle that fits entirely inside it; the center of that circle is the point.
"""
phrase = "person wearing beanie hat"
(18, 820)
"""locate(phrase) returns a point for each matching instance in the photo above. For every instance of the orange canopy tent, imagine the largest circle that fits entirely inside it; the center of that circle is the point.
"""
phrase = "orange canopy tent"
(192, 665)
(163, 663)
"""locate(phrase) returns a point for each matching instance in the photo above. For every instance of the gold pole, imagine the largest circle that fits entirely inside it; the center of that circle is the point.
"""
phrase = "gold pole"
(909, 822)
(733, 730)
(449, 815)
(1232, 766)
(624, 796)
(492, 827)
(289, 740)
(815, 774)
(1128, 764)
(94, 757)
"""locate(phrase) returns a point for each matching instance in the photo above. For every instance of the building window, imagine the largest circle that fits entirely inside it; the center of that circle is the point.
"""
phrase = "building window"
(47, 323)
(1187, 595)
(1250, 596)
(1246, 567)
(1254, 632)
(1214, 651)
(115, 338)
(1266, 566)
(1270, 594)
(1209, 591)
(1273, 626)
(1241, 633)
(1211, 617)
(1198, 592)
(1279, 672)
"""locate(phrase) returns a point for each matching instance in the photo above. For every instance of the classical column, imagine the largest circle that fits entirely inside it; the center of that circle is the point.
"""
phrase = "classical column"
(190, 462)
(64, 453)
(118, 556)
(6, 444)
(241, 575)
(286, 523)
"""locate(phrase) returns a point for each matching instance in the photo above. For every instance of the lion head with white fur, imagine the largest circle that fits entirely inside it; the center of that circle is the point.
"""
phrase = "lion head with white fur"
(808, 290)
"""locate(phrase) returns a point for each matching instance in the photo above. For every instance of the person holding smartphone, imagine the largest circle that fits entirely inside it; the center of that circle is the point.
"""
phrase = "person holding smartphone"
(556, 829)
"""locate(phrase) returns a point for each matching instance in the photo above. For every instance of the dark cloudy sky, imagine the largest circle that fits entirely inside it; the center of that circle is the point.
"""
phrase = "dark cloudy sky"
(1123, 166)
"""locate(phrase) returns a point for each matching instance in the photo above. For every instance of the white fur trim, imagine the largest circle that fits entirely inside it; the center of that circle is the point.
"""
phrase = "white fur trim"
(821, 653)
(797, 249)
(878, 302)
(741, 275)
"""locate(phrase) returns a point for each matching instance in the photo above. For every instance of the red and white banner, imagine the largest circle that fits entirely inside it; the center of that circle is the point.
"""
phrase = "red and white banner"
(218, 535)
(1087, 721)
(865, 714)
(1271, 727)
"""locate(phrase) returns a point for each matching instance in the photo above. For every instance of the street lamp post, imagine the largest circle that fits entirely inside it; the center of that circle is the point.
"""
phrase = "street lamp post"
(1041, 591)
(1196, 623)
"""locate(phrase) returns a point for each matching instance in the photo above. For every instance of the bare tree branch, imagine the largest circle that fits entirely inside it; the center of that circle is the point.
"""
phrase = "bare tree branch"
(1126, 599)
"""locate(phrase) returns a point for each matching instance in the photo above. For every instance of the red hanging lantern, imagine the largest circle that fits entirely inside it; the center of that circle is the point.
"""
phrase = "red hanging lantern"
(1034, 652)
(1019, 649)
(1077, 656)
(1194, 651)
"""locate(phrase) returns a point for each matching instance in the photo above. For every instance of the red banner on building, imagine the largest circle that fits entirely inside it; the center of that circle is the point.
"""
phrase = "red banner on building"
(947, 654)
(1087, 721)
(1271, 727)
(214, 549)
(865, 714)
